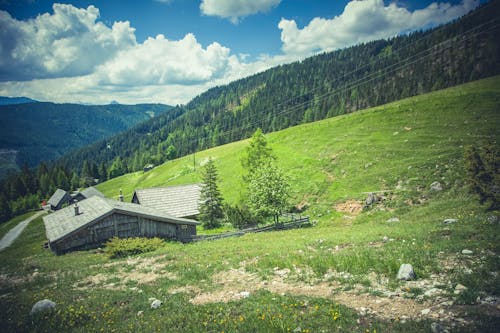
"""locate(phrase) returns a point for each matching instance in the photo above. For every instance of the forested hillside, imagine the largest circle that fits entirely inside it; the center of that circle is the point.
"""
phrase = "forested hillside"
(322, 86)
(45, 131)
(15, 100)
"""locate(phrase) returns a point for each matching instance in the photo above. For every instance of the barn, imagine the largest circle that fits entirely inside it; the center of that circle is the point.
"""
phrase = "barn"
(179, 201)
(59, 199)
(93, 221)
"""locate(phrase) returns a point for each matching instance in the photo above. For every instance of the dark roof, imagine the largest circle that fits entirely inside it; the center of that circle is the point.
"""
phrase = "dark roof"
(90, 192)
(180, 201)
(65, 222)
(58, 196)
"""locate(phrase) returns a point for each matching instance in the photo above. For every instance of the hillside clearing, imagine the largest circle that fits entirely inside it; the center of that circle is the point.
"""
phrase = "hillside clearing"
(339, 275)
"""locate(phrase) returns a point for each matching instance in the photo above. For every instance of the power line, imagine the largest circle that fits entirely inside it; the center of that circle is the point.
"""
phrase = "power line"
(402, 64)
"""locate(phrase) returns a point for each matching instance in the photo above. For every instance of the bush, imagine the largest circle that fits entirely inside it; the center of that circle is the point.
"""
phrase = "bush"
(123, 247)
(241, 217)
(483, 177)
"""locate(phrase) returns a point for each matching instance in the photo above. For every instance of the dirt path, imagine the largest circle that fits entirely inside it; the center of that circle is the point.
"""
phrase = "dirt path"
(13, 233)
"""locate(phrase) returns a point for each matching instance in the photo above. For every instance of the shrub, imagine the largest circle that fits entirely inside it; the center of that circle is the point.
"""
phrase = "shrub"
(123, 247)
(483, 177)
(240, 216)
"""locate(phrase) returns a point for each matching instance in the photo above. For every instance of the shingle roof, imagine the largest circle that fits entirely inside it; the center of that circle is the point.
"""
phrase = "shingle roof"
(56, 198)
(180, 201)
(90, 192)
(65, 222)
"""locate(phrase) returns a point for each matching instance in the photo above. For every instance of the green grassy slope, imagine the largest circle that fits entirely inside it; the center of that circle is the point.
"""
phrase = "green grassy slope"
(416, 141)
(308, 280)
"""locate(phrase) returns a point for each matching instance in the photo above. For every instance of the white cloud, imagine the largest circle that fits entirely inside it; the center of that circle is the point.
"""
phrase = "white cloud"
(235, 9)
(70, 56)
(68, 42)
(363, 21)
(161, 61)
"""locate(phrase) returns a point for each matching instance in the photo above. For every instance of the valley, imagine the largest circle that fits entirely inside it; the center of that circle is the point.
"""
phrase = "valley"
(336, 276)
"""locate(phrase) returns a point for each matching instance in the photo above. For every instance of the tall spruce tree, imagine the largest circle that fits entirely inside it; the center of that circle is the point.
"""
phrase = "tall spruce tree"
(211, 199)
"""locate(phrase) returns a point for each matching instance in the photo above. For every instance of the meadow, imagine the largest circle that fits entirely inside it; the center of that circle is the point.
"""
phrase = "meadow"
(337, 276)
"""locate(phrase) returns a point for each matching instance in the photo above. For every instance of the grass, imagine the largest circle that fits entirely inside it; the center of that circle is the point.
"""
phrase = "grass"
(399, 148)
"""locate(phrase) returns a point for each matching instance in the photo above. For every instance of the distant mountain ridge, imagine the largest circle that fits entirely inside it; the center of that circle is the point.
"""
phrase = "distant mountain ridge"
(45, 131)
(15, 100)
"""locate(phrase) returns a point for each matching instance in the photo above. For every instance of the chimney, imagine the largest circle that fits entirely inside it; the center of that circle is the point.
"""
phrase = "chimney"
(77, 209)
(121, 195)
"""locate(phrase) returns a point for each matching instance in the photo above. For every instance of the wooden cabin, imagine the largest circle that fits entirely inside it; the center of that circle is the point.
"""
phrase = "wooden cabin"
(86, 193)
(148, 167)
(178, 201)
(91, 222)
(59, 199)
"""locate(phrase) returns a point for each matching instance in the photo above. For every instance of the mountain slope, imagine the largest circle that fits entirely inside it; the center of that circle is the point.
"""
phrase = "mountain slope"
(45, 131)
(322, 86)
(337, 276)
(15, 100)
(414, 141)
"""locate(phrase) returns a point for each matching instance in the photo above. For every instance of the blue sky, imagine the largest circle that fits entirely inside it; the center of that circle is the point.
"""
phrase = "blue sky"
(169, 51)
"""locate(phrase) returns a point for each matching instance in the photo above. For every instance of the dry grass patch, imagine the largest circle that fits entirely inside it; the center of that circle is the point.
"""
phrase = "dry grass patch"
(352, 207)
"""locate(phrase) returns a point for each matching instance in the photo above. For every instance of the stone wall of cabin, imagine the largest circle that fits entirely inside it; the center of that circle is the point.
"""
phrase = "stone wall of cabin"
(121, 226)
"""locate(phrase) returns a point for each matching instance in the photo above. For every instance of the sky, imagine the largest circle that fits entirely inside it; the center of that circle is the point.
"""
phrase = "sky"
(169, 51)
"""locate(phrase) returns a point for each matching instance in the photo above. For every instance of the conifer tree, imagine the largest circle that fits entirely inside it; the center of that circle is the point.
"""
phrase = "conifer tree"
(211, 199)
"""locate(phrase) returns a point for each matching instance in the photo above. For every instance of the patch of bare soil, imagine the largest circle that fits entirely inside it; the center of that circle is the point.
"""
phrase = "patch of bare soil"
(413, 300)
(237, 283)
(138, 270)
(351, 207)
(11, 281)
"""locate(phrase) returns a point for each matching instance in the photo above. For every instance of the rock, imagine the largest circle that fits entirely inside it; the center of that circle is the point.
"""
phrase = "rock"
(281, 272)
(43, 306)
(492, 219)
(436, 186)
(363, 311)
(425, 312)
(392, 220)
(450, 221)
(140, 313)
(244, 294)
(459, 288)
(437, 328)
(156, 304)
(432, 292)
(371, 199)
(406, 272)
(467, 252)
(491, 300)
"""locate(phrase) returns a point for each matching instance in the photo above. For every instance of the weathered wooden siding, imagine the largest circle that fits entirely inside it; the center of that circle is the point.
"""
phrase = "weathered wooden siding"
(185, 232)
(122, 226)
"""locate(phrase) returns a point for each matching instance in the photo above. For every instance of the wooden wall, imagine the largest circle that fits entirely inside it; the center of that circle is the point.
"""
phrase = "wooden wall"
(122, 226)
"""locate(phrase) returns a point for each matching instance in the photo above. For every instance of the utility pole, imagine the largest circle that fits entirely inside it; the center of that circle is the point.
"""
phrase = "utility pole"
(194, 160)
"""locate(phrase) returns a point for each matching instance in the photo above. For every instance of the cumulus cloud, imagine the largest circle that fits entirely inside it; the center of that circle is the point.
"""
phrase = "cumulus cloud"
(363, 21)
(235, 9)
(161, 61)
(67, 43)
